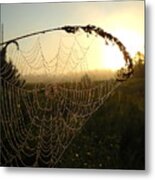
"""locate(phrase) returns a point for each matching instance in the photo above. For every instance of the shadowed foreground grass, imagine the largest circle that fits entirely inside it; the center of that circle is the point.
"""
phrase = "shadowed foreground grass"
(114, 138)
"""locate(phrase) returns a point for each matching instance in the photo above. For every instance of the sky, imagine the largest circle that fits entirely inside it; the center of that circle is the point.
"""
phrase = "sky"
(123, 19)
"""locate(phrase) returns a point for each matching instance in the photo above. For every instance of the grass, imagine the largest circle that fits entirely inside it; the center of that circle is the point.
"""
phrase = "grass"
(114, 136)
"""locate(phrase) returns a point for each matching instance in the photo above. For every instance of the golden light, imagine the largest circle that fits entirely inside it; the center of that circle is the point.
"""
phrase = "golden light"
(105, 57)
(132, 40)
(112, 58)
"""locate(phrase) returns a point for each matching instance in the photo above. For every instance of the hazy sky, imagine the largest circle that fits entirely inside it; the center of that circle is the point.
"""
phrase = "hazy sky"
(124, 19)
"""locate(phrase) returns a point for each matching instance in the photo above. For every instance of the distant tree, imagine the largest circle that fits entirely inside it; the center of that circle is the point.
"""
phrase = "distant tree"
(139, 65)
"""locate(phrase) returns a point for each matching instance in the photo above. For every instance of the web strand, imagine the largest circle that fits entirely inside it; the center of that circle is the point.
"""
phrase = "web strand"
(47, 98)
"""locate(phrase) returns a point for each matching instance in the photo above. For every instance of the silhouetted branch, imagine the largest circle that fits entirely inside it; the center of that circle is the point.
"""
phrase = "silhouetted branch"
(128, 70)
(8, 71)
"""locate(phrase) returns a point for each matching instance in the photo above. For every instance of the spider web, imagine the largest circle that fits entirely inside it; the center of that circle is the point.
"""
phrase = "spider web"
(40, 118)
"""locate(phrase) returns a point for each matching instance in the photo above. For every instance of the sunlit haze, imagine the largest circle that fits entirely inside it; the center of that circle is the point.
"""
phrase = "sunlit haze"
(123, 19)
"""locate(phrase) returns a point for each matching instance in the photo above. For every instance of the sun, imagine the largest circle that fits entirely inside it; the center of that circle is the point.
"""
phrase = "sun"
(112, 58)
